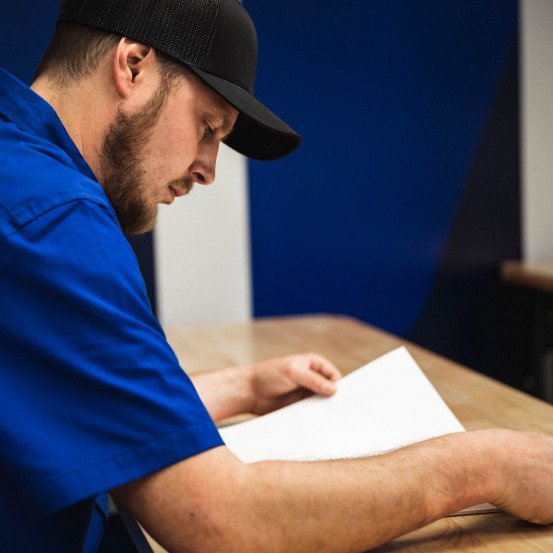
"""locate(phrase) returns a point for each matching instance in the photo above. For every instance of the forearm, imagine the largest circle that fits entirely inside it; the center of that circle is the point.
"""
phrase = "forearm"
(225, 392)
(323, 506)
(356, 505)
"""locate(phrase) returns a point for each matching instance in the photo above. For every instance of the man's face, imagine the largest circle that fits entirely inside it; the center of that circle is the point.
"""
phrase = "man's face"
(156, 153)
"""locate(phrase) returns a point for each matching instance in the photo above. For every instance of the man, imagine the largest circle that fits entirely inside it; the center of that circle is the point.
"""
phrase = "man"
(130, 104)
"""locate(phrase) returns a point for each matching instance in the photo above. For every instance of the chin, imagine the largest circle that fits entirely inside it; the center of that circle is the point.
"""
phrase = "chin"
(140, 225)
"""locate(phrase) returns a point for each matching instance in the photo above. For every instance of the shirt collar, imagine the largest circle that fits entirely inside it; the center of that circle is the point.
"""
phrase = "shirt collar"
(31, 112)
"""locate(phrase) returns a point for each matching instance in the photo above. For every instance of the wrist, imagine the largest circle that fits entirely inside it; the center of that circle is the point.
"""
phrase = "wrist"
(498, 444)
(466, 472)
(486, 456)
(243, 378)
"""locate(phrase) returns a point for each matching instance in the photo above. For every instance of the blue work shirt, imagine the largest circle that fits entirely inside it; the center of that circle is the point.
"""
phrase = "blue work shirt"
(91, 394)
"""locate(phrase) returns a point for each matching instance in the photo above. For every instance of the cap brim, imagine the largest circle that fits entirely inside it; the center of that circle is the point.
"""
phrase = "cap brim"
(258, 132)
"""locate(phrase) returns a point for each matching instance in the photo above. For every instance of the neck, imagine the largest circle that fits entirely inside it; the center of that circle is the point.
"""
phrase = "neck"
(80, 109)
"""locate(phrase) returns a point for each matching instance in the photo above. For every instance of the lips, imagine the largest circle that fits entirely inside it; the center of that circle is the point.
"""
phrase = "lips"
(177, 192)
(180, 187)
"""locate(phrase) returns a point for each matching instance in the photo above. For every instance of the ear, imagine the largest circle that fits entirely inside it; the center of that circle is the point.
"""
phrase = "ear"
(132, 64)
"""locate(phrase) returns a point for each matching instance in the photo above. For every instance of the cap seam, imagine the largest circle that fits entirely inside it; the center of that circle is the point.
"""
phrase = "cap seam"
(212, 32)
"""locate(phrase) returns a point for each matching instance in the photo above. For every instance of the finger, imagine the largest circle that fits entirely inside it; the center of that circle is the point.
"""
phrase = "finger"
(323, 366)
(312, 380)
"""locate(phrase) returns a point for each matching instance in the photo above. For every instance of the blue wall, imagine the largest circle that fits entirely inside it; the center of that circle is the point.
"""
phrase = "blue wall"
(392, 99)
(25, 30)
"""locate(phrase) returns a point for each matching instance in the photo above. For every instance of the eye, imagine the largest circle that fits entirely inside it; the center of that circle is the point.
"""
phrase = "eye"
(208, 130)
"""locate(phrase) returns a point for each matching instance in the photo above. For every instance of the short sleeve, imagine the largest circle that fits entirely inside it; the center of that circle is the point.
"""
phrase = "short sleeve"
(92, 394)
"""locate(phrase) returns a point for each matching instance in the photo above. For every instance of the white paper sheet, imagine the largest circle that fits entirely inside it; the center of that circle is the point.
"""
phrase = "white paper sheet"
(386, 404)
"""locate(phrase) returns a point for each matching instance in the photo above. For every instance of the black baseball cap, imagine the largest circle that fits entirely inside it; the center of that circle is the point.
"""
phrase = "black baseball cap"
(216, 39)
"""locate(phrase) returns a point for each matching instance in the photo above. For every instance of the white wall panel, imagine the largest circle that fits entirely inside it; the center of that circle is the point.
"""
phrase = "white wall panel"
(202, 250)
(536, 48)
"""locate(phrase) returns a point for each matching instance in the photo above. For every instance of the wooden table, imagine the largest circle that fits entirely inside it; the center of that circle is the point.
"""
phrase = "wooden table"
(476, 400)
(537, 275)
(536, 282)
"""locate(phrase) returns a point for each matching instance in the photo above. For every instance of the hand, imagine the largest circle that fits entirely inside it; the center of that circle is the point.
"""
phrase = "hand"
(525, 461)
(279, 382)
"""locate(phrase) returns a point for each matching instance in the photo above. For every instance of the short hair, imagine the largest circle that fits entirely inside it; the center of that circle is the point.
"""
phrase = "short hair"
(75, 51)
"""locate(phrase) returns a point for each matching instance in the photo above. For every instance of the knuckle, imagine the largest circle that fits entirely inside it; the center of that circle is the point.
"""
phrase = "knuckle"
(289, 369)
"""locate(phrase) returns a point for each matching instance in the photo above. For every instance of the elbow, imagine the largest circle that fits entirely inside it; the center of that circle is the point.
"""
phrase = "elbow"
(207, 503)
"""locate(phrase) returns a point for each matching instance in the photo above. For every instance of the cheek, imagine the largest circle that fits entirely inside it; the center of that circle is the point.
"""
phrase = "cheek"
(177, 158)
(173, 144)
(180, 144)
(174, 153)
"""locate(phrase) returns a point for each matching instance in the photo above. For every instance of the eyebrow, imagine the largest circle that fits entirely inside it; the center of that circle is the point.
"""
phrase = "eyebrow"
(227, 125)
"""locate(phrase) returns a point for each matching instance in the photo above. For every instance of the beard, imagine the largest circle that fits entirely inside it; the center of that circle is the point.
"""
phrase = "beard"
(122, 175)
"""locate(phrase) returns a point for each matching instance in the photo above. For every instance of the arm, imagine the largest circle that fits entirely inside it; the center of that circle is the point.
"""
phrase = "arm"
(266, 386)
(212, 502)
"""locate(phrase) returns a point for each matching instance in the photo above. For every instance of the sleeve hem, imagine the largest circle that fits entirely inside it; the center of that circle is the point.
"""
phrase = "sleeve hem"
(66, 489)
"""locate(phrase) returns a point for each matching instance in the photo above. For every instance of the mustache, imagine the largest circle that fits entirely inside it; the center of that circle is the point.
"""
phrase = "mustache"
(184, 185)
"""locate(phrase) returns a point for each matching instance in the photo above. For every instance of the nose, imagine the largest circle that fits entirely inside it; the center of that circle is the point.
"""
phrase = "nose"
(203, 168)
(203, 176)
